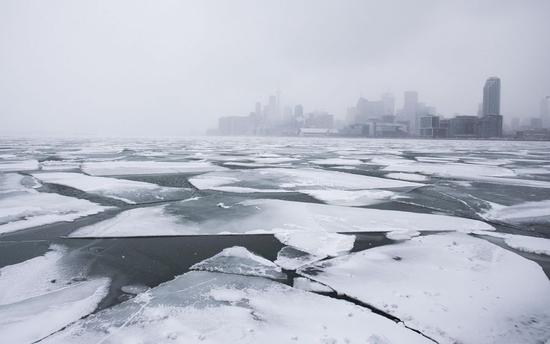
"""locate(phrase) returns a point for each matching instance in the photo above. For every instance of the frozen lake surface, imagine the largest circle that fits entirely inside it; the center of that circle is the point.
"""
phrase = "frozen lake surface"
(274, 240)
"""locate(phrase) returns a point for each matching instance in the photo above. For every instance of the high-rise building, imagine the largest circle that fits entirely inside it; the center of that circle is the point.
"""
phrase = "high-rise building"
(298, 110)
(491, 97)
(389, 104)
(410, 109)
(490, 124)
(545, 112)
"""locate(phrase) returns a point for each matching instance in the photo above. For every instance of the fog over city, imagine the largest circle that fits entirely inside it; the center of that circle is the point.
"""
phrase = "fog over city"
(174, 67)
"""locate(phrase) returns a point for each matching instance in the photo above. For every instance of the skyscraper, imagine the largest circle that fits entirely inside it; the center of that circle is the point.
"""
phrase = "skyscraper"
(410, 108)
(545, 112)
(490, 124)
(491, 97)
(389, 104)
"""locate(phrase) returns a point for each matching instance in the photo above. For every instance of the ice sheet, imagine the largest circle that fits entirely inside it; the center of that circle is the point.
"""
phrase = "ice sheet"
(527, 212)
(350, 197)
(413, 177)
(309, 285)
(337, 161)
(113, 168)
(29, 209)
(204, 216)
(290, 258)
(451, 287)
(18, 165)
(238, 260)
(402, 235)
(148, 221)
(317, 243)
(205, 307)
(523, 243)
(296, 179)
(40, 296)
(128, 191)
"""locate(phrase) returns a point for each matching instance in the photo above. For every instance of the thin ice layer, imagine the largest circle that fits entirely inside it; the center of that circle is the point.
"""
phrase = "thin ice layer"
(317, 243)
(21, 206)
(290, 258)
(114, 168)
(528, 212)
(523, 243)
(18, 165)
(42, 295)
(295, 179)
(204, 216)
(238, 260)
(451, 287)
(147, 221)
(205, 307)
(128, 191)
(351, 197)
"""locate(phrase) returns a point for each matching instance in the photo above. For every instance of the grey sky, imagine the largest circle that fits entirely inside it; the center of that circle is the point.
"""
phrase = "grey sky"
(172, 67)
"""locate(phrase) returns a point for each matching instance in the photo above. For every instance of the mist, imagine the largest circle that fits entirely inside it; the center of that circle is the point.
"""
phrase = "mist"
(171, 68)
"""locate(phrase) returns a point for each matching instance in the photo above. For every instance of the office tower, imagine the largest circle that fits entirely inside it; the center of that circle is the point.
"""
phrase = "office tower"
(490, 124)
(545, 112)
(491, 97)
(389, 104)
(298, 110)
(410, 109)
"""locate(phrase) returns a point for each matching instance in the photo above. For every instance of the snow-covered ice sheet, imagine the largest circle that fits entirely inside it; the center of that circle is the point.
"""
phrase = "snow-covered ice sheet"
(128, 191)
(21, 206)
(256, 216)
(337, 161)
(147, 221)
(523, 243)
(351, 197)
(317, 243)
(40, 296)
(309, 285)
(290, 258)
(452, 287)
(295, 179)
(18, 165)
(238, 260)
(113, 168)
(413, 177)
(527, 212)
(206, 307)
(402, 235)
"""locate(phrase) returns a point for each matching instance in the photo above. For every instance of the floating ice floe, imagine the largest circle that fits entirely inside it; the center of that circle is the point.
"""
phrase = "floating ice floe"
(21, 206)
(238, 260)
(147, 221)
(128, 191)
(294, 179)
(309, 285)
(290, 258)
(206, 307)
(18, 165)
(528, 212)
(451, 287)
(523, 243)
(257, 216)
(56, 165)
(350, 197)
(40, 296)
(481, 173)
(317, 243)
(114, 168)
(413, 177)
(337, 161)
(402, 235)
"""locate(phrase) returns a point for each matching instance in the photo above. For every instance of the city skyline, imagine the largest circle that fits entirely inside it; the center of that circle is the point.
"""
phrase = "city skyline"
(72, 68)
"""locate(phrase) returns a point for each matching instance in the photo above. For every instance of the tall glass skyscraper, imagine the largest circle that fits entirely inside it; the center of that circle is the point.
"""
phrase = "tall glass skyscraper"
(491, 97)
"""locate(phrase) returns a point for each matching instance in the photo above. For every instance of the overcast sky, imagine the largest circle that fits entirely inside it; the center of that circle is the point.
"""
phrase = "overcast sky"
(173, 67)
